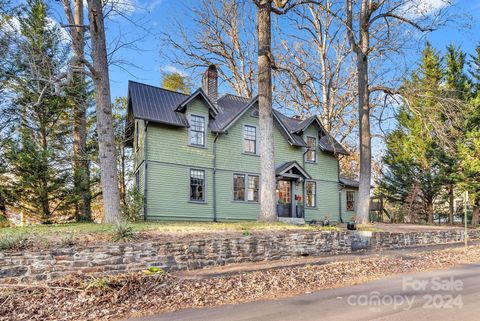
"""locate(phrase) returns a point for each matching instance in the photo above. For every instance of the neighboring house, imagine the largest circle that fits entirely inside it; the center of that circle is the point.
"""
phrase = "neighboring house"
(196, 157)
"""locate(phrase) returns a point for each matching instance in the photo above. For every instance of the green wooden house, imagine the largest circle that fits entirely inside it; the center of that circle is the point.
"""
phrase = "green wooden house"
(196, 157)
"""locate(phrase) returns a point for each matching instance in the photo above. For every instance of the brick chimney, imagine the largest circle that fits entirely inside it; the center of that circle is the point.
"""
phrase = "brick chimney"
(210, 83)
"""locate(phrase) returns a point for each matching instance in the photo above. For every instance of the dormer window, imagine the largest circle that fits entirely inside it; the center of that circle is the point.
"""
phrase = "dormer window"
(311, 155)
(197, 130)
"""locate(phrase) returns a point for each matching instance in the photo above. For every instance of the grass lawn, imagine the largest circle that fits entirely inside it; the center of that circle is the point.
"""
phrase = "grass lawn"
(166, 227)
(44, 236)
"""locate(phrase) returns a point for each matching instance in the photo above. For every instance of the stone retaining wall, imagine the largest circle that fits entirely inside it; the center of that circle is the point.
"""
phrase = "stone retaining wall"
(199, 253)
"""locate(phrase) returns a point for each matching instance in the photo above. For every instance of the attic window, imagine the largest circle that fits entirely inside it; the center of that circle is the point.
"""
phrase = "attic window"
(197, 130)
(312, 149)
(250, 139)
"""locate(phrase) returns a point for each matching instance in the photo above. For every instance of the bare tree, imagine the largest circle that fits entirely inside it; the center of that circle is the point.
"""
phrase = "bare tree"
(369, 28)
(223, 35)
(78, 92)
(267, 156)
(265, 64)
(318, 75)
(106, 139)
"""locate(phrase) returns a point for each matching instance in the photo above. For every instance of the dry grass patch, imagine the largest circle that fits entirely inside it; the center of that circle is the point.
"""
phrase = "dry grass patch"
(58, 235)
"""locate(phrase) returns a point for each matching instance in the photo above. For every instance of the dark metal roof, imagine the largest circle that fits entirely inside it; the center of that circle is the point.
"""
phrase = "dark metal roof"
(329, 144)
(290, 124)
(280, 170)
(230, 107)
(156, 104)
(167, 107)
(349, 182)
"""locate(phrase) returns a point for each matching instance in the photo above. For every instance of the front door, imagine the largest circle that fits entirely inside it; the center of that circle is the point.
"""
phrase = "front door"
(284, 196)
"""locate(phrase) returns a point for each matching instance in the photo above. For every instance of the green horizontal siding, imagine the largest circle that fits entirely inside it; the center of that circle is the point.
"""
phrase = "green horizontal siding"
(168, 194)
(347, 215)
(227, 208)
(169, 159)
(327, 202)
(170, 144)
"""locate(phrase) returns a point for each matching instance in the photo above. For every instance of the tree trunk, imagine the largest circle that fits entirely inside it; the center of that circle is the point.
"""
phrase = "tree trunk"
(44, 191)
(362, 52)
(106, 138)
(430, 211)
(450, 204)
(365, 139)
(476, 211)
(81, 164)
(123, 183)
(267, 157)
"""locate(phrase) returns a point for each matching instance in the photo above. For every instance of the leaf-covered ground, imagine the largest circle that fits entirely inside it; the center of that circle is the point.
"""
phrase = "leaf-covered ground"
(120, 296)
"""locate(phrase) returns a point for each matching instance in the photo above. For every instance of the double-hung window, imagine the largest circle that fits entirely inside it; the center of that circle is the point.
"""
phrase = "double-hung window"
(253, 184)
(312, 149)
(250, 139)
(311, 194)
(246, 188)
(350, 201)
(197, 130)
(238, 187)
(197, 185)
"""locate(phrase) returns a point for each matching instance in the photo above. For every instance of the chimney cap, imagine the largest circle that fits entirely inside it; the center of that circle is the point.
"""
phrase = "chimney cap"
(212, 67)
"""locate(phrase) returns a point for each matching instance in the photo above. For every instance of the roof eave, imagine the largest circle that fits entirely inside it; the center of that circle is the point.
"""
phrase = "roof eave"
(197, 92)
(240, 114)
(156, 121)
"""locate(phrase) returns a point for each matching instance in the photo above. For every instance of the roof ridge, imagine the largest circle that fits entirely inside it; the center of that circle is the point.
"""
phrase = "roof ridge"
(228, 94)
(161, 88)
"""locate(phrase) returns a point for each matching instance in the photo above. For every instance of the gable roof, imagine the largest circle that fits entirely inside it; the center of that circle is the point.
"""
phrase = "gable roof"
(198, 93)
(285, 167)
(167, 107)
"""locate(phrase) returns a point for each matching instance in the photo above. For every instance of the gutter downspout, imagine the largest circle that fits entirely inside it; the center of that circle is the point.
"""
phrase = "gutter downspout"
(214, 185)
(339, 192)
(304, 186)
(145, 180)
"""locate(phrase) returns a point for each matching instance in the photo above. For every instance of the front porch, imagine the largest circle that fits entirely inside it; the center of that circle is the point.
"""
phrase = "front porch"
(291, 193)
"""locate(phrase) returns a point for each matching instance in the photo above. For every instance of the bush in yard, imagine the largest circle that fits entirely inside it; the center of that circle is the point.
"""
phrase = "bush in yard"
(133, 208)
(123, 231)
(3, 221)
(13, 241)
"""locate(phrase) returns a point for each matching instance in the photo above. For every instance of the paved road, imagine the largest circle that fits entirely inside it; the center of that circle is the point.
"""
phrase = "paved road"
(452, 294)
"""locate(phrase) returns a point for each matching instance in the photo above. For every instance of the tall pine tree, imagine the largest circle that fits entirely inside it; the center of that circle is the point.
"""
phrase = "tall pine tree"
(469, 146)
(38, 148)
(413, 176)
